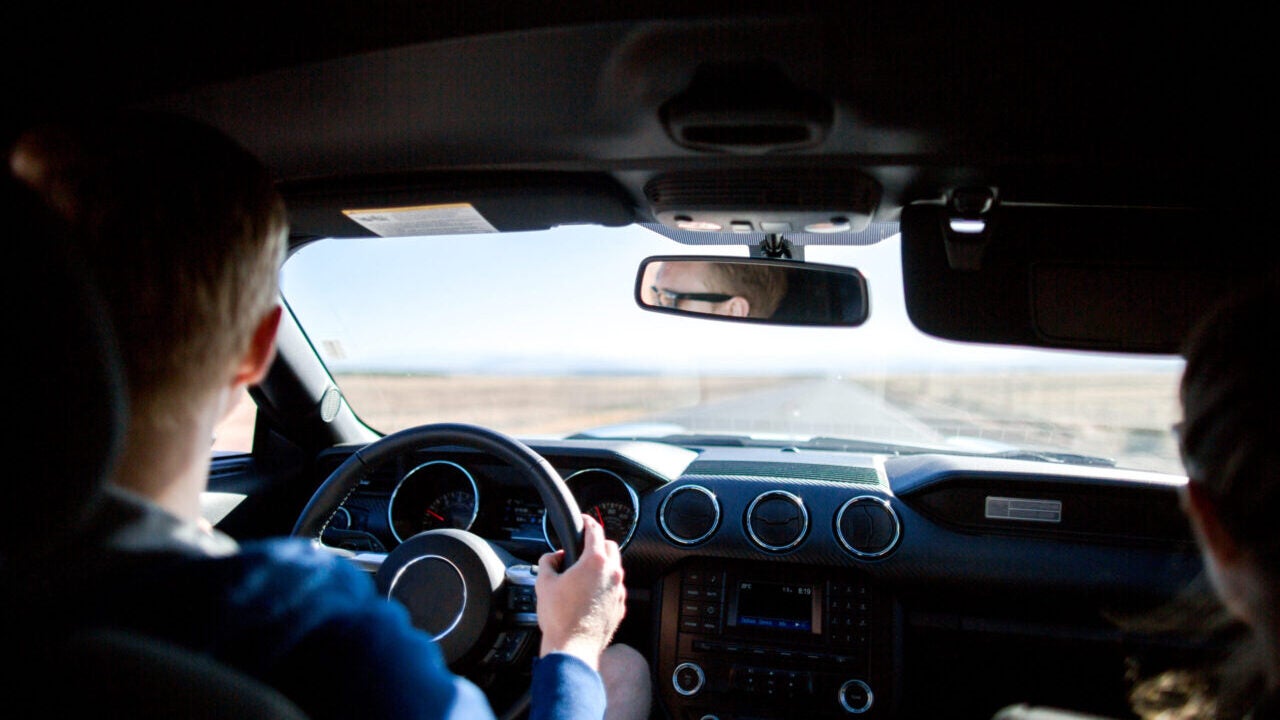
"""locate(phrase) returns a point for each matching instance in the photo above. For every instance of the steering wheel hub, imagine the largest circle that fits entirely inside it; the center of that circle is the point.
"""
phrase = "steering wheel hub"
(440, 576)
(447, 579)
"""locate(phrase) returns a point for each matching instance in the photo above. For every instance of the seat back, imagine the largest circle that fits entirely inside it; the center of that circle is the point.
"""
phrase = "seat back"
(66, 379)
(71, 391)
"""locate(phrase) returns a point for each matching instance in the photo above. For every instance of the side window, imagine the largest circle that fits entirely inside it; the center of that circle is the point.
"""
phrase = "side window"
(235, 432)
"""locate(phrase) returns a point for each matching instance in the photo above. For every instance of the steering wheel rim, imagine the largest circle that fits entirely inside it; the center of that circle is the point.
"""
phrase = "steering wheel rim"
(561, 507)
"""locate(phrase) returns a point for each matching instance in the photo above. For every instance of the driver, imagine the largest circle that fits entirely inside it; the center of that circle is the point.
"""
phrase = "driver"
(187, 234)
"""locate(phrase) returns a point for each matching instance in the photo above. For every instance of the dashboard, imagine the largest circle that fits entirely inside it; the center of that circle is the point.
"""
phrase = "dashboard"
(770, 582)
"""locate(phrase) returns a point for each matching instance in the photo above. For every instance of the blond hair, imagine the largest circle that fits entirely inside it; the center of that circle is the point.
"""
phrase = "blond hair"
(185, 233)
(762, 286)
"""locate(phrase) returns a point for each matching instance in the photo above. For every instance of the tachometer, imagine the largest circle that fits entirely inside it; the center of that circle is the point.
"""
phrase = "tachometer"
(617, 518)
(433, 495)
(454, 509)
(605, 496)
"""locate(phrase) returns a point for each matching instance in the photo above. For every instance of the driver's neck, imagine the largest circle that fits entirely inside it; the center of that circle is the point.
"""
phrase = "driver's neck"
(166, 460)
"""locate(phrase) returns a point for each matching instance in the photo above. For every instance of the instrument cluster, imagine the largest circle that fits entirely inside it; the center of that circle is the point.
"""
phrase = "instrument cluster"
(483, 499)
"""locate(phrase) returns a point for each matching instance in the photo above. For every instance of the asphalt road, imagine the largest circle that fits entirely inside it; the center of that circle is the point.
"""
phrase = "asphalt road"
(814, 407)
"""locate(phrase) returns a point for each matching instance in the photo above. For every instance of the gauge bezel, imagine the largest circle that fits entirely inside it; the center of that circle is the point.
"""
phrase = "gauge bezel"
(475, 494)
(617, 480)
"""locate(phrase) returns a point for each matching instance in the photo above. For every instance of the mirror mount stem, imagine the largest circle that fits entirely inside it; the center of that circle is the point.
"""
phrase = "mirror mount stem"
(776, 247)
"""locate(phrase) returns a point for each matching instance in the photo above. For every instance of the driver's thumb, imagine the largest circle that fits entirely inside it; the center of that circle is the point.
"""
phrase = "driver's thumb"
(550, 563)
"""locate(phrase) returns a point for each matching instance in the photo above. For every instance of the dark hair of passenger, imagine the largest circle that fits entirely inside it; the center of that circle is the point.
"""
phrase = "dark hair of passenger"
(1230, 434)
(1229, 438)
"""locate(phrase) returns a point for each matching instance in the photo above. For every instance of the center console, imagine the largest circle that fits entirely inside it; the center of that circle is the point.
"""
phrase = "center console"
(758, 640)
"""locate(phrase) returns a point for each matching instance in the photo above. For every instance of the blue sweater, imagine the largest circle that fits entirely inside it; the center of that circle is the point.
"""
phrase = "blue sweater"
(306, 622)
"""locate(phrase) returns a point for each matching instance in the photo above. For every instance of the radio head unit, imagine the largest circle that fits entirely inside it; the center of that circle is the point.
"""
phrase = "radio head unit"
(739, 638)
(771, 605)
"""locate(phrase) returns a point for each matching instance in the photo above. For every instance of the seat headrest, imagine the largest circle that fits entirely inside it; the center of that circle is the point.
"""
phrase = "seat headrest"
(64, 374)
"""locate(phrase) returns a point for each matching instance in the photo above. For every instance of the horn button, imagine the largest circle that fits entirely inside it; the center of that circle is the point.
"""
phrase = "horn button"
(447, 579)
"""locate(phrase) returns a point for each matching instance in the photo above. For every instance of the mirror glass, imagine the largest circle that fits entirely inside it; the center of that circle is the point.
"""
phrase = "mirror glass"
(782, 292)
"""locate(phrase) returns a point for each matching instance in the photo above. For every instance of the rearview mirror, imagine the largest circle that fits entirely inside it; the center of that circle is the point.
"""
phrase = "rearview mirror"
(781, 292)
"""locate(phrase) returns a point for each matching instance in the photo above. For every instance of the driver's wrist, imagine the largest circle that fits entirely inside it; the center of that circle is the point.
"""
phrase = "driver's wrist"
(586, 650)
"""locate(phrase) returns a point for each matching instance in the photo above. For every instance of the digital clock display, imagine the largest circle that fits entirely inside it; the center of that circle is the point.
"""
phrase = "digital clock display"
(777, 606)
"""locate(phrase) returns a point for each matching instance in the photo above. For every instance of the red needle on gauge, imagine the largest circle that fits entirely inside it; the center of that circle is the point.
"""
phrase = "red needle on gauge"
(599, 516)
(435, 514)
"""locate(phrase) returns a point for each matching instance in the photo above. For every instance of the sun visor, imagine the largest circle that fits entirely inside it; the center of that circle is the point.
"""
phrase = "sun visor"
(455, 203)
(1107, 279)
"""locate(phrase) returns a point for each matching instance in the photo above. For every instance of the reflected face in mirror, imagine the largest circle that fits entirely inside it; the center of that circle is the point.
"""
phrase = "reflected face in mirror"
(714, 288)
(778, 292)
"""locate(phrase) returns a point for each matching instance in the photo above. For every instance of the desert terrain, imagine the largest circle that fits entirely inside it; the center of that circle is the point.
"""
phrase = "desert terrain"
(1123, 417)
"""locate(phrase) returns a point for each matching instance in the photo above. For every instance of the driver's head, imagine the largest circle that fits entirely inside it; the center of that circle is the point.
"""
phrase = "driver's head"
(762, 286)
(185, 232)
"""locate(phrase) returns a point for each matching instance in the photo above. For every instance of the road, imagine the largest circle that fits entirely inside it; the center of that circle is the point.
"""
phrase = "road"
(810, 407)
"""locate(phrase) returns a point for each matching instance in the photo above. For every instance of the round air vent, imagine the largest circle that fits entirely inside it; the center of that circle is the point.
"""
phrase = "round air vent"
(690, 514)
(777, 520)
(868, 526)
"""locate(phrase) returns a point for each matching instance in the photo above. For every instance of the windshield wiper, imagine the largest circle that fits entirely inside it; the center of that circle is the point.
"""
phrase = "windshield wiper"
(839, 444)
(1064, 458)
(815, 443)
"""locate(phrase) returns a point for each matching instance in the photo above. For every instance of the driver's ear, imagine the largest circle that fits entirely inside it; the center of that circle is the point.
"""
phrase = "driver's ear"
(737, 306)
(253, 366)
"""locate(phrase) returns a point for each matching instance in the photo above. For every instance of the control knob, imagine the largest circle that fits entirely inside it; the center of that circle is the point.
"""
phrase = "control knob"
(855, 696)
(688, 678)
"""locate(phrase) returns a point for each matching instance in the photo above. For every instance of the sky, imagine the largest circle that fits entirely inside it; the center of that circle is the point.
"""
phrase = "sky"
(563, 299)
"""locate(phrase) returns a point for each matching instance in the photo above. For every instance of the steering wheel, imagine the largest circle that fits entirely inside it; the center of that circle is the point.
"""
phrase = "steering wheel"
(473, 597)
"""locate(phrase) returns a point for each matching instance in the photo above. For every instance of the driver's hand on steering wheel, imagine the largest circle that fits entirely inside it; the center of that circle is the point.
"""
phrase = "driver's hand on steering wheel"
(579, 609)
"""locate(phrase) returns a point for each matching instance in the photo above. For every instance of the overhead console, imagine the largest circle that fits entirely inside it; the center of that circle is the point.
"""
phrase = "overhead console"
(779, 201)
(747, 639)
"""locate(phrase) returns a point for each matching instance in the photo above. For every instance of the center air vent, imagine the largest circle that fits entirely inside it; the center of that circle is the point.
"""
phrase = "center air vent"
(777, 520)
(690, 514)
(868, 527)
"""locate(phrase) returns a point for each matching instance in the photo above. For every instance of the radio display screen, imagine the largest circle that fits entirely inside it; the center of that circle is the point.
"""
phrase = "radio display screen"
(780, 606)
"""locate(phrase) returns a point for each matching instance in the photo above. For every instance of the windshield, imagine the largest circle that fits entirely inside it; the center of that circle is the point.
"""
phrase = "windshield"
(539, 335)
